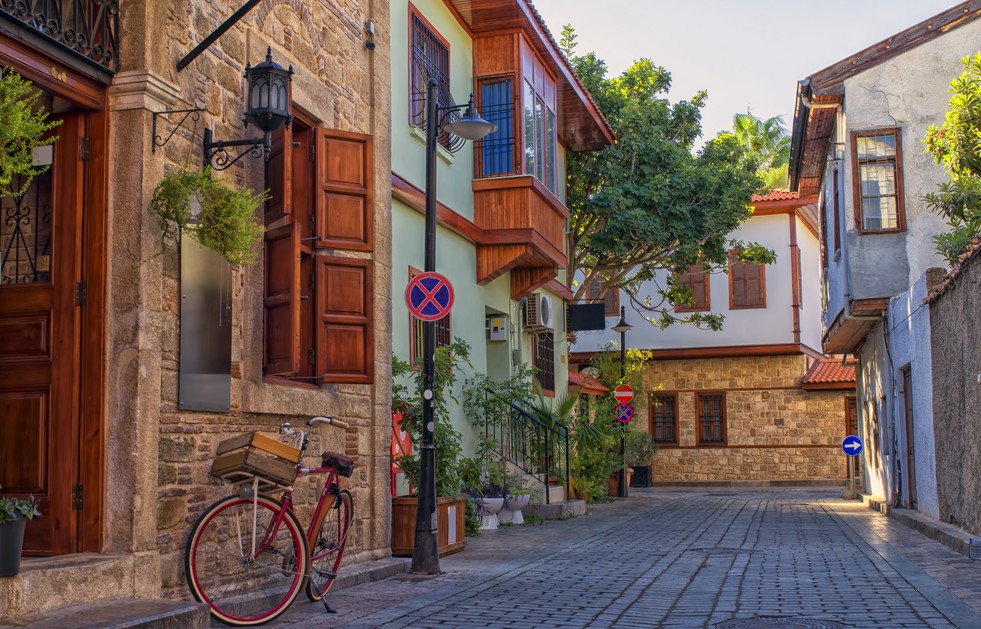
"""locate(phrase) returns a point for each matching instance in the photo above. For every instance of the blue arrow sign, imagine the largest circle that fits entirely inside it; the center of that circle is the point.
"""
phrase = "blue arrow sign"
(852, 445)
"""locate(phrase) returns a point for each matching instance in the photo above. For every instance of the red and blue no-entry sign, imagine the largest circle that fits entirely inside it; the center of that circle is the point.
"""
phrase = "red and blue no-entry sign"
(624, 413)
(429, 296)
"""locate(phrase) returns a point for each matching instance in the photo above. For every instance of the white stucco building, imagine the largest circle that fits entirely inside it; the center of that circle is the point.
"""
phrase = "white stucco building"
(858, 134)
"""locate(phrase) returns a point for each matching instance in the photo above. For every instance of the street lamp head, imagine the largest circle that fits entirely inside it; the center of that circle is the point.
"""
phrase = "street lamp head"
(622, 327)
(470, 126)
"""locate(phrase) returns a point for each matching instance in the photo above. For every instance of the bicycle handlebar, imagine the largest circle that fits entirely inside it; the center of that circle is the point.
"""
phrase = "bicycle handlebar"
(333, 421)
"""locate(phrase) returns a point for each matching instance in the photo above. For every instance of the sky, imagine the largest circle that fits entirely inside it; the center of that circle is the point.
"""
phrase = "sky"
(748, 54)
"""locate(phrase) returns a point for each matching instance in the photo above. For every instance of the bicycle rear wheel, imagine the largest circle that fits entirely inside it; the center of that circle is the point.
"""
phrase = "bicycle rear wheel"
(327, 548)
(221, 571)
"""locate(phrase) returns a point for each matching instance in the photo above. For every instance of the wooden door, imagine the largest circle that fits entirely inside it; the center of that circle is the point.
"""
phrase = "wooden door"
(39, 341)
(910, 454)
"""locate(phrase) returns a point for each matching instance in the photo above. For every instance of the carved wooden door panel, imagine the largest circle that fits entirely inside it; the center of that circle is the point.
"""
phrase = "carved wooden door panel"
(39, 340)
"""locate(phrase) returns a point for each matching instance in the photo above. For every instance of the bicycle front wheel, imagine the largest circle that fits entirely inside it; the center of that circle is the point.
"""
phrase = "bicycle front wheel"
(327, 548)
(245, 561)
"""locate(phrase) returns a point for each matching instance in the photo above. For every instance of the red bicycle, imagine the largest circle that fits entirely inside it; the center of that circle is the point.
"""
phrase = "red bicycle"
(248, 558)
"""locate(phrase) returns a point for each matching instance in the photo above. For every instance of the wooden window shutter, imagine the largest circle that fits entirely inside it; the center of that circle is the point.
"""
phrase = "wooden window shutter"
(699, 288)
(344, 208)
(279, 170)
(344, 319)
(281, 301)
(747, 284)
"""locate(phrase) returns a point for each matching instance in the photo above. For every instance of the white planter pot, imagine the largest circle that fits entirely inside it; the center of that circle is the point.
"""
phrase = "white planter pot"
(514, 505)
(489, 508)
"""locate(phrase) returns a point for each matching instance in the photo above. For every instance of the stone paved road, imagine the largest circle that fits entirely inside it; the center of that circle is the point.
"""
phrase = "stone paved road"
(682, 558)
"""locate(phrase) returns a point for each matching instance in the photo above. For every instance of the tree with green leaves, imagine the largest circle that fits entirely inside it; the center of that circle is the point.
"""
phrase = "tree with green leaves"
(651, 206)
(954, 144)
(769, 143)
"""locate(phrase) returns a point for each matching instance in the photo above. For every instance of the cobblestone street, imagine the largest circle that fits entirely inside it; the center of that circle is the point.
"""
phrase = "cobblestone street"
(682, 558)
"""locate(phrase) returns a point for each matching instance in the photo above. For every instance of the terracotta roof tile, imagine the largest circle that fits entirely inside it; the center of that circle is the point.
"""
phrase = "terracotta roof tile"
(827, 372)
(587, 383)
(777, 194)
(950, 279)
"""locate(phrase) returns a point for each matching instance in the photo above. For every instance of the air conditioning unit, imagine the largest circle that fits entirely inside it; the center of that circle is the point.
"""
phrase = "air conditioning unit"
(538, 313)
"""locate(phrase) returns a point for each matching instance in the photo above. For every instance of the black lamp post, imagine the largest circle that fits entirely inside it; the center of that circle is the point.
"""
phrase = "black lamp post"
(469, 126)
(268, 109)
(623, 327)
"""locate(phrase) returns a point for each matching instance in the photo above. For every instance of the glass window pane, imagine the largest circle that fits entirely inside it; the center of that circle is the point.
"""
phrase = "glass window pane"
(878, 179)
(539, 139)
(873, 147)
(550, 146)
(529, 106)
(497, 149)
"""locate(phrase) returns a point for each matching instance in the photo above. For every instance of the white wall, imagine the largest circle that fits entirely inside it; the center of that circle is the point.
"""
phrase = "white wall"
(810, 274)
(755, 326)
(908, 328)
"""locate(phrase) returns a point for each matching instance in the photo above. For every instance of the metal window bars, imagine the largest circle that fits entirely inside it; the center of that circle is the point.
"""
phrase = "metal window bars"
(87, 28)
(431, 60)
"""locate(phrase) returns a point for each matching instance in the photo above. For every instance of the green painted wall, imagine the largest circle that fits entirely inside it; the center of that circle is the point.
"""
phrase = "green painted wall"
(454, 172)
(456, 257)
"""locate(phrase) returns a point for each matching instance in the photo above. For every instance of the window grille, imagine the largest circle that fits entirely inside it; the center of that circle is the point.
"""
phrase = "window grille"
(664, 419)
(495, 152)
(544, 361)
(430, 59)
(711, 419)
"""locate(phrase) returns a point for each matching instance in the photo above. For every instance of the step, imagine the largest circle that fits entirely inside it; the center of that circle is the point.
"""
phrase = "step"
(949, 535)
(557, 510)
(120, 613)
(47, 583)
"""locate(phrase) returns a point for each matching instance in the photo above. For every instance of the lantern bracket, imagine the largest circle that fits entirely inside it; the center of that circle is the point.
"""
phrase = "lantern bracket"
(218, 32)
(217, 156)
(194, 114)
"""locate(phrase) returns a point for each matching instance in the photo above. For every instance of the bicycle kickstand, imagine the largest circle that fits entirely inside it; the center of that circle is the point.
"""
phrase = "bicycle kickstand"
(330, 610)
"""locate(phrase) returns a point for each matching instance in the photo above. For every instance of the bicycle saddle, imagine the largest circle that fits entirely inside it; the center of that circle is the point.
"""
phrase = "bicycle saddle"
(343, 463)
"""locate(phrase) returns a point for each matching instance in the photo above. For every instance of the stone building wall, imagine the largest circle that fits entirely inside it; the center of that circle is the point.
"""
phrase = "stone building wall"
(158, 456)
(955, 332)
(776, 431)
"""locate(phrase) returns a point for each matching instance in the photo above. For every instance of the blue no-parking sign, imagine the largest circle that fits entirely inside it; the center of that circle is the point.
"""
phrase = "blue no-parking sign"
(624, 413)
(429, 296)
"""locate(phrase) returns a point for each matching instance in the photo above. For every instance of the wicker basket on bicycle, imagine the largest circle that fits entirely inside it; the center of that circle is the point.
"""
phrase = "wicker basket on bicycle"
(255, 456)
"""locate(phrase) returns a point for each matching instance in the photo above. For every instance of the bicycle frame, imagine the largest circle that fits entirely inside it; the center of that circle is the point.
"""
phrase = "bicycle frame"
(328, 495)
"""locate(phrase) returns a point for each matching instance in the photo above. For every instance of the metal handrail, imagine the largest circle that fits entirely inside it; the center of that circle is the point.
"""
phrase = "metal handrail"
(527, 438)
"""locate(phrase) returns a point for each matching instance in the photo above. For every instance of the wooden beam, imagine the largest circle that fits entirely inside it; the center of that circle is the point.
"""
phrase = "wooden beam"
(415, 198)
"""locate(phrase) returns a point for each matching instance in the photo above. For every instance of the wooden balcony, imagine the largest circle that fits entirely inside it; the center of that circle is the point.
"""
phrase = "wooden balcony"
(523, 232)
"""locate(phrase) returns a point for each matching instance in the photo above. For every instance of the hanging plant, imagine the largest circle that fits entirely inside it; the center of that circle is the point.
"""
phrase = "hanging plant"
(24, 128)
(225, 223)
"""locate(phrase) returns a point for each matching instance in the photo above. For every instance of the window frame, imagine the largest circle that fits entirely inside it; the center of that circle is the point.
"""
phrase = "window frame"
(673, 395)
(896, 132)
(418, 118)
(702, 443)
(707, 307)
(733, 260)
(541, 340)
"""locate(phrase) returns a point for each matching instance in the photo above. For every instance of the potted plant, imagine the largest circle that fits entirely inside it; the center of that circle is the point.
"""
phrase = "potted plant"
(517, 499)
(218, 216)
(14, 514)
(640, 449)
(25, 127)
(407, 400)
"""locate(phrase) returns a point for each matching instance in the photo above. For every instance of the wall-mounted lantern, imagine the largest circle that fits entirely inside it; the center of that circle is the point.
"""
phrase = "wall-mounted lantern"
(268, 109)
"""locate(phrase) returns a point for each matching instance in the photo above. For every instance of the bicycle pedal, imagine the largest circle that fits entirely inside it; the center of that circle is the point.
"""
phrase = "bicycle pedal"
(327, 574)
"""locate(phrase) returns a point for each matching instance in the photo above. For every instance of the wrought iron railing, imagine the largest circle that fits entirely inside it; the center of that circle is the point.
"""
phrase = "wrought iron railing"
(87, 28)
(529, 439)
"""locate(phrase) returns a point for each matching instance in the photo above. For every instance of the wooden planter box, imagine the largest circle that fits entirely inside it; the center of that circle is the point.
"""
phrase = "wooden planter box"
(450, 521)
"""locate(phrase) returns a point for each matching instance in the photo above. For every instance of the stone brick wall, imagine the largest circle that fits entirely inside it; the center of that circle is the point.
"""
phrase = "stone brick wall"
(776, 431)
(955, 330)
(158, 456)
